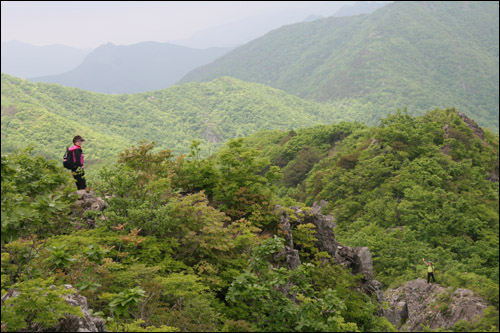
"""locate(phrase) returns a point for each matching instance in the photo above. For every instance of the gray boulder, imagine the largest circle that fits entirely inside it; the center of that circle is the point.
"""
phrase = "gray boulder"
(86, 201)
(417, 303)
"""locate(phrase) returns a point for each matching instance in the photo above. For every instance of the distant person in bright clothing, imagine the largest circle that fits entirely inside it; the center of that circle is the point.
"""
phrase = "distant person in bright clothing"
(76, 154)
(430, 271)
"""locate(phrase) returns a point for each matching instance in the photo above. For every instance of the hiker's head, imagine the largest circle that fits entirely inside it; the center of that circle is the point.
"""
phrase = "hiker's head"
(77, 140)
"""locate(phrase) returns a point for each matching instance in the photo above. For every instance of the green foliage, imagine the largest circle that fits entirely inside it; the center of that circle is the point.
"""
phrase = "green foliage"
(481, 285)
(95, 253)
(406, 190)
(34, 196)
(243, 190)
(17, 261)
(411, 194)
(276, 299)
(304, 238)
(126, 299)
(146, 200)
(152, 200)
(179, 286)
(297, 152)
(39, 303)
(192, 305)
(194, 173)
(357, 307)
(59, 257)
(137, 326)
(297, 171)
(88, 285)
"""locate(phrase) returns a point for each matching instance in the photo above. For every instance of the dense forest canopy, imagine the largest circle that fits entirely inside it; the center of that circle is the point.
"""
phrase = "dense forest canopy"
(409, 188)
(415, 54)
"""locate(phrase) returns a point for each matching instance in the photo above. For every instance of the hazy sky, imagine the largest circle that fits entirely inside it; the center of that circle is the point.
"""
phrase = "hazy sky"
(88, 24)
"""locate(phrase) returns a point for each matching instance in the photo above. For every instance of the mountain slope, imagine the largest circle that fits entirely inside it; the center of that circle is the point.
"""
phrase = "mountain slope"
(415, 54)
(206, 230)
(134, 68)
(210, 112)
(407, 189)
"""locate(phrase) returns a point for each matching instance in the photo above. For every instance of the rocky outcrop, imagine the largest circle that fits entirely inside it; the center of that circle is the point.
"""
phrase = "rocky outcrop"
(410, 306)
(70, 323)
(478, 131)
(491, 175)
(417, 303)
(87, 323)
(358, 259)
(291, 255)
(87, 201)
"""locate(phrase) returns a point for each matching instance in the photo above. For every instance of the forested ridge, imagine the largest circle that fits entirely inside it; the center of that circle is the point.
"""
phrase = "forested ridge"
(410, 188)
(415, 54)
(188, 243)
(49, 115)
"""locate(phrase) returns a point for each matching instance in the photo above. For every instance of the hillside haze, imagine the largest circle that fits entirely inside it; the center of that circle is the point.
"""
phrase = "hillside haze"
(25, 60)
(133, 68)
(419, 55)
(243, 31)
(358, 8)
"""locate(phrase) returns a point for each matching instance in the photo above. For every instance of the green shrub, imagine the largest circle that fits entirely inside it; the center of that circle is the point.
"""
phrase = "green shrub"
(39, 303)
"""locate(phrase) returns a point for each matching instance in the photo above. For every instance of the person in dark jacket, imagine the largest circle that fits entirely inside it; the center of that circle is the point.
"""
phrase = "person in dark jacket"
(78, 171)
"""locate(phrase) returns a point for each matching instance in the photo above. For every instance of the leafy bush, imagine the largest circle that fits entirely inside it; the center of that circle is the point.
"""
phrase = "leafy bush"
(34, 196)
(39, 304)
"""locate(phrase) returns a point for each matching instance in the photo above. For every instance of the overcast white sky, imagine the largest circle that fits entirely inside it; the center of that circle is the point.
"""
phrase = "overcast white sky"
(88, 24)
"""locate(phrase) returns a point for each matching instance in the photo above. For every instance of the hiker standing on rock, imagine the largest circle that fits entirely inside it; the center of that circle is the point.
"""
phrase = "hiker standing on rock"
(73, 160)
(430, 270)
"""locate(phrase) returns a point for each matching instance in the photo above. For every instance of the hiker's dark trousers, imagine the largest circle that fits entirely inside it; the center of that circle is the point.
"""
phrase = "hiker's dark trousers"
(429, 277)
(81, 183)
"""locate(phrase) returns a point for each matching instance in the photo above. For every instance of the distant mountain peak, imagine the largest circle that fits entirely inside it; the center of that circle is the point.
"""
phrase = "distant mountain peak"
(26, 60)
(134, 68)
